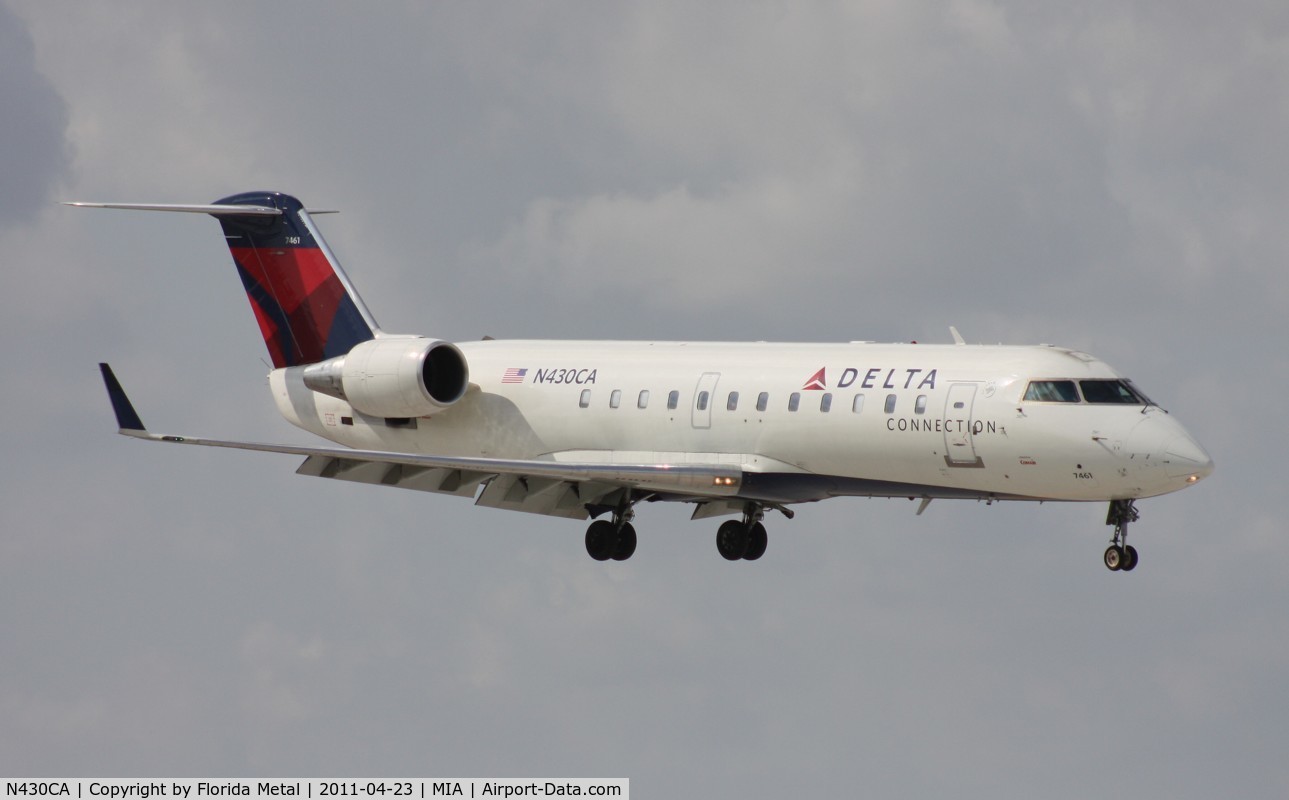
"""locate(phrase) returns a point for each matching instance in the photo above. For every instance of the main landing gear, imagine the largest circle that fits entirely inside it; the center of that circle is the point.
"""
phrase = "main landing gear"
(736, 540)
(1120, 555)
(615, 539)
(744, 539)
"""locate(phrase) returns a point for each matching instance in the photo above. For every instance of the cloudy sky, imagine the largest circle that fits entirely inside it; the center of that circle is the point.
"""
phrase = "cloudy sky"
(1111, 176)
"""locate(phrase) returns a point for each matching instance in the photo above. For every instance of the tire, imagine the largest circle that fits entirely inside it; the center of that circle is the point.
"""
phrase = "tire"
(1113, 558)
(626, 544)
(731, 540)
(757, 541)
(601, 540)
(1129, 559)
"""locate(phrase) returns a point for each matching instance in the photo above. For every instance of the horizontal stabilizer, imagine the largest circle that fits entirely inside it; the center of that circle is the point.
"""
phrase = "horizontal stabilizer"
(215, 209)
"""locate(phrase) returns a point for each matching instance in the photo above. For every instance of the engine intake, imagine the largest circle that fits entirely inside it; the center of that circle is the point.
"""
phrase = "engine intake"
(394, 376)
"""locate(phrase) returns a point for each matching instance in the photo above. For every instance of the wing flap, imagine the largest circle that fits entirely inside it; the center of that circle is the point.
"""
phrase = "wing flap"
(400, 476)
(549, 496)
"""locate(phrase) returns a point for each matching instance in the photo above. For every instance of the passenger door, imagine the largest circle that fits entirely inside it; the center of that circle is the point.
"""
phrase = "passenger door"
(704, 397)
(959, 445)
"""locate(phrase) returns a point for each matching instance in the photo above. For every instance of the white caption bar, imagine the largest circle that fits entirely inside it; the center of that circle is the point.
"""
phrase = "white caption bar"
(310, 788)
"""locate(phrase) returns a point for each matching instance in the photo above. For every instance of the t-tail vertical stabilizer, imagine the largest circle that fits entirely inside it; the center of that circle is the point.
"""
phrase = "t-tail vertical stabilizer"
(307, 309)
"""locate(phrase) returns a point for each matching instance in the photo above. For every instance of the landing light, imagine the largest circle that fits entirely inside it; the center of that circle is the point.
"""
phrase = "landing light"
(1192, 479)
(724, 481)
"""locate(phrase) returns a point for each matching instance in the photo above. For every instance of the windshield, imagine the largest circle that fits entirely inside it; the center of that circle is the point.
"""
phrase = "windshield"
(1052, 392)
(1112, 392)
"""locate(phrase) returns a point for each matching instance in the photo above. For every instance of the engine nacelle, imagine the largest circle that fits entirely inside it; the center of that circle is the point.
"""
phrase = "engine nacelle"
(394, 376)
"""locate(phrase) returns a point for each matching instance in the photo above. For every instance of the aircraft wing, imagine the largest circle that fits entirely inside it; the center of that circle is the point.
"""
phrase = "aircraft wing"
(557, 488)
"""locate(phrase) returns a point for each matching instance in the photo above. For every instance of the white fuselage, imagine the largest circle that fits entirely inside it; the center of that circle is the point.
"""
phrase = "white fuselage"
(867, 419)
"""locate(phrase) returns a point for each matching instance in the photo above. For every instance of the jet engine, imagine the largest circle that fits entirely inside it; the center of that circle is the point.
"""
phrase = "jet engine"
(394, 376)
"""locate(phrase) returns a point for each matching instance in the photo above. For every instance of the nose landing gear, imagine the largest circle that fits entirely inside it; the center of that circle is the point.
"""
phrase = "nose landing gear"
(1120, 555)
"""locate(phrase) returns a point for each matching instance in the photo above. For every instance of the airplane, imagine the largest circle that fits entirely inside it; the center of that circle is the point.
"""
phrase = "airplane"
(590, 429)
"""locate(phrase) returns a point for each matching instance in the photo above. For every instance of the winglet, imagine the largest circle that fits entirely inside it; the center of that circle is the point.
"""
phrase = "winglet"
(957, 337)
(127, 419)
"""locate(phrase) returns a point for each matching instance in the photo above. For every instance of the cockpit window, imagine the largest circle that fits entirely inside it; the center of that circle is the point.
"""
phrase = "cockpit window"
(1052, 392)
(1112, 391)
(1140, 394)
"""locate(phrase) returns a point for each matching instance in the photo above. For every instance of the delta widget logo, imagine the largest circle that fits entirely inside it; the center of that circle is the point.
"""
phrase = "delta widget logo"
(818, 382)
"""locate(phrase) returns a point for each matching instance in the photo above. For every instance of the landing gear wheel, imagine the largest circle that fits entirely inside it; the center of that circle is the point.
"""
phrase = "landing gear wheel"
(732, 540)
(1120, 555)
(602, 540)
(1114, 558)
(757, 540)
(1129, 558)
(626, 544)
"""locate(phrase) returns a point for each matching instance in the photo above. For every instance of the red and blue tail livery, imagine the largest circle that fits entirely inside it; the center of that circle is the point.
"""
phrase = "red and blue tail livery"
(307, 309)
(301, 299)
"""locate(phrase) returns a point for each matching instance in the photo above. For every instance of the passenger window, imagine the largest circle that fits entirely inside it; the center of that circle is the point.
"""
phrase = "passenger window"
(702, 401)
(890, 404)
(920, 406)
(1110, 392)
(762, 401)
(794, 401)
(673, 399)
(1052, 392)
(858, 405)
(731, 403)
(643, 401)
(825, 403)
(585, 400)
(615, 398)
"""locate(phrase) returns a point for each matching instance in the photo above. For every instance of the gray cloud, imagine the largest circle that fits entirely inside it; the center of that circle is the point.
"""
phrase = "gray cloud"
(32, 127)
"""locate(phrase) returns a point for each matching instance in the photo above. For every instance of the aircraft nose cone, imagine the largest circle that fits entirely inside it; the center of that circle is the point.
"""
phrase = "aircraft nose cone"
(1187, 459)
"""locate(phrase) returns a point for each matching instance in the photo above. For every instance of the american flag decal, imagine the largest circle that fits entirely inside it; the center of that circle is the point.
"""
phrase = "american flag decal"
(513, 375)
